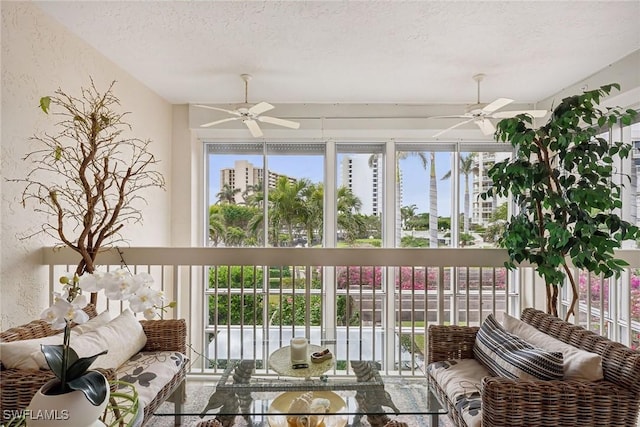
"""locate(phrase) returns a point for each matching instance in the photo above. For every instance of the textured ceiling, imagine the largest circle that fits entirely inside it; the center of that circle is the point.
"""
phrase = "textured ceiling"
(355, 51)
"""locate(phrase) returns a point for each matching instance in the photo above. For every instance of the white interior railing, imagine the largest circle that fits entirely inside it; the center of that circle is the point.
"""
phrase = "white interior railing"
(362, 303)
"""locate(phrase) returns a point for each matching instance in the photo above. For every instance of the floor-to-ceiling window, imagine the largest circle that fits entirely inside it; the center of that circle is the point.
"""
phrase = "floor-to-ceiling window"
(347, 194)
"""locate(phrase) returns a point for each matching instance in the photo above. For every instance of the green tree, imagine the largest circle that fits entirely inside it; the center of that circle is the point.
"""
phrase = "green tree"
(467, 168)
(249, 194)
(349, 222)
(229, 224)
(406, 214)
(433, 203)
(373, 160)
(216, 225)
(287, 204)
(227, 194)
(562, 180)
(311, 216)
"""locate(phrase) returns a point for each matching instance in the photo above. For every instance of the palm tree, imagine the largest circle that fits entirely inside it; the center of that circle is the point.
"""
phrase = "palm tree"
(348, 205)
(433, 203)
(227, 194)
(407, 213)
(373, 159)
(287, 202)
(252, 193)
(467, 167)
(311, 217)
(216, 225)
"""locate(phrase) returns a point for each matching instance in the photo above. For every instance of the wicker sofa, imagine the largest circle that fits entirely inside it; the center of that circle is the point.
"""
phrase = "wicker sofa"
(612, 401)
(19, 385)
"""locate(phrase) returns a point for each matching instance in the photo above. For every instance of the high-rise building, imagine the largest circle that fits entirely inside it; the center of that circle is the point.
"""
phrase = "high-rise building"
(245, 176)
(363, 180)
(482, 210)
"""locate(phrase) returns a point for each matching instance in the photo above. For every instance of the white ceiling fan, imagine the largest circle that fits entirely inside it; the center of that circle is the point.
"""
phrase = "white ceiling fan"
(481, 113)
(250, 114)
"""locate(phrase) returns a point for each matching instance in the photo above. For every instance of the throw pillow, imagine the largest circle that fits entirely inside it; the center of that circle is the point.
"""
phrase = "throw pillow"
(18, 354)
(92, 324)
(122, 337)
(578, 364)
(508, 356)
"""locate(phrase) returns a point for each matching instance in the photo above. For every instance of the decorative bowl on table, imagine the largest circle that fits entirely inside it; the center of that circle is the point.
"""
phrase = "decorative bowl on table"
(289, 409)
(280, 361)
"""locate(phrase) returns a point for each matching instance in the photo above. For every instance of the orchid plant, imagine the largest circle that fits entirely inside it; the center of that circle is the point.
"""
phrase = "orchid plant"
(67, 308)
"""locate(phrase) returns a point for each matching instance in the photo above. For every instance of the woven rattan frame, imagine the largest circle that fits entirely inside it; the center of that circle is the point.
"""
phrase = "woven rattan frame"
(19, 385)
(613, 401)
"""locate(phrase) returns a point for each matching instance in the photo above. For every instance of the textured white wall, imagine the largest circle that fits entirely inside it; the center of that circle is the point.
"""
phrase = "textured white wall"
(38, 57)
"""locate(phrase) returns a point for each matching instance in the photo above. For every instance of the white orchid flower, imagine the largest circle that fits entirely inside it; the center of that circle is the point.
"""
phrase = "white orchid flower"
(53, 316)
(150, 313)
(119, 285)
(72, 311)
(78, 316)
(91, 282)
(80, 301)
(143, 279)
(62, 311)
(60, 296)
(145, 299)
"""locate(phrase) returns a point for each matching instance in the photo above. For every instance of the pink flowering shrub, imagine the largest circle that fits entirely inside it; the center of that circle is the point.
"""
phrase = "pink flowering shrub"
(593, 284)
(419, 278)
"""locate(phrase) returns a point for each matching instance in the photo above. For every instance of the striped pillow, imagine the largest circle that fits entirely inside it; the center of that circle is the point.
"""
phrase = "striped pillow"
(508, 356)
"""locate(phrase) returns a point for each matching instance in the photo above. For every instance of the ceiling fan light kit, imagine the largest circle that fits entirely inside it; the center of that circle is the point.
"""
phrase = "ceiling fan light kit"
(250, 115)
(481, 113)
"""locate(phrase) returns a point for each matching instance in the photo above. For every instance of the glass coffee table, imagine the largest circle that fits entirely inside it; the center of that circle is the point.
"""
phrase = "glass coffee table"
(240, 397)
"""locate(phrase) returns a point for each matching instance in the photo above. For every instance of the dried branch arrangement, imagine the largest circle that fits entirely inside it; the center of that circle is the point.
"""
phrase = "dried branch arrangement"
(89, 177)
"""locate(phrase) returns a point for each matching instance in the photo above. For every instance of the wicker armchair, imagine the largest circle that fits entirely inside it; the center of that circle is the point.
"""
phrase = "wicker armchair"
(18, 386)
(614, 401)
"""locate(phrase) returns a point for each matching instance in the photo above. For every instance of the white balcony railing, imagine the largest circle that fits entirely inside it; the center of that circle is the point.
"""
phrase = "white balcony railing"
(373, 304)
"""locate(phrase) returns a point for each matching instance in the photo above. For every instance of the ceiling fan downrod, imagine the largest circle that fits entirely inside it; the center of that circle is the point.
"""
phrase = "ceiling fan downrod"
(478, 78)
(246, 78)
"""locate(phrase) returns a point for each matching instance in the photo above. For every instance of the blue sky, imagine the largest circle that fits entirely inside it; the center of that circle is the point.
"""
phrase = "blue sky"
(415, 177)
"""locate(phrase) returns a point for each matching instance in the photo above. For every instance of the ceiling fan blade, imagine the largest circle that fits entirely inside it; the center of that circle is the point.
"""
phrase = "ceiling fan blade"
(253, 127)
(452, 127)
(261, 108)
(235, 113)
(496, 105)
(509, 114)
(486, 126)
(206, 125)
(279, 122)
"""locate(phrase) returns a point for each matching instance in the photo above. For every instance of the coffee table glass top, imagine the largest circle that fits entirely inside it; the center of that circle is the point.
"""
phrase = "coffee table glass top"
(275, 401)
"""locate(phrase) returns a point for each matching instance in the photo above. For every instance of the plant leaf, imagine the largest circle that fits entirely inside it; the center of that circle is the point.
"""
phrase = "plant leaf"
(93, 385)
(45, 101)
(80, 366)
(53, 356)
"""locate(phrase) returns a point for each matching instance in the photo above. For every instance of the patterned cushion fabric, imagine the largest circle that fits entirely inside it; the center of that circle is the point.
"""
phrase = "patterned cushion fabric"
(149, 372)
(508, 356)
(461, 380)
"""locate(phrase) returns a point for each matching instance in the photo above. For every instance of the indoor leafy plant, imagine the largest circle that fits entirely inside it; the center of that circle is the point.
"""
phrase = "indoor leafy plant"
(566, 183)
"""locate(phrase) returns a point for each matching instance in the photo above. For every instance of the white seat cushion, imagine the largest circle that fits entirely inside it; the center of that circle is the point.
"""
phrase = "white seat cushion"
(149, 372)
(461, 380)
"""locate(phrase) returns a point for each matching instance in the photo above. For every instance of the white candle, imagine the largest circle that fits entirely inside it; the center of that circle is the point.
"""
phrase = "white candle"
(299, 350)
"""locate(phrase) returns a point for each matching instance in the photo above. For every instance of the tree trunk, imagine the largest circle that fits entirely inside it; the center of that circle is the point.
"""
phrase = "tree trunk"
(433, 204)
